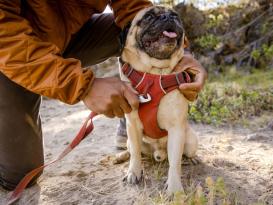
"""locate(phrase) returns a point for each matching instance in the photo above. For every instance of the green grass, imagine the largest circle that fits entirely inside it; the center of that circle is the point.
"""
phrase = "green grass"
(234, 97)
(212, 192)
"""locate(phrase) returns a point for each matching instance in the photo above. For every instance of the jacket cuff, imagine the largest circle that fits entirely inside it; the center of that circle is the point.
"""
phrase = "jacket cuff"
(87, 88)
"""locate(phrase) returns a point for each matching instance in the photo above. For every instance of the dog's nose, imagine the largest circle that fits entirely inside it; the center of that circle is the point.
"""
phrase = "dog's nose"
(164, 17)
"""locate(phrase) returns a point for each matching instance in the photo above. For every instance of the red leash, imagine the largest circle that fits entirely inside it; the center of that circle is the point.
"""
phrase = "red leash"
(84, 131)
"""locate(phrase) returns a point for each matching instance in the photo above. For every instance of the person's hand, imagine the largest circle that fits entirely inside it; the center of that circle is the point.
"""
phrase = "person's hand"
(111, 97)
(189, 64)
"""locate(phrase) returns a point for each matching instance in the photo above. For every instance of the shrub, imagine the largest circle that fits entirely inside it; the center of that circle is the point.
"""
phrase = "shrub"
(255, 54)
(209, 41)
(268, 51)
(227, 101)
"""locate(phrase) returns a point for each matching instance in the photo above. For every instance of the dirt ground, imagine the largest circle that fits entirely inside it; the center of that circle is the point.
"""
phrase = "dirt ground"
(242, 157)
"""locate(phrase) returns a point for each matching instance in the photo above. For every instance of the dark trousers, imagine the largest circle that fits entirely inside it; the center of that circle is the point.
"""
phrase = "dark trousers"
(21, 141)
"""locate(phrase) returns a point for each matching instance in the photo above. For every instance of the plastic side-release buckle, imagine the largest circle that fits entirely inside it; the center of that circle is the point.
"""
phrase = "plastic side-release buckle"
(145, 98)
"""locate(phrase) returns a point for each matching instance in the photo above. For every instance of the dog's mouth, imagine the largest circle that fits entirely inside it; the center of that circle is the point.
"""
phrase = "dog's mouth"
(170, 34)
(161, 44)
(167, 36)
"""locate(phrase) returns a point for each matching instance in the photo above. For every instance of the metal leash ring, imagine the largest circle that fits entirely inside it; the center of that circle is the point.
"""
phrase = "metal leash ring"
(145, 98)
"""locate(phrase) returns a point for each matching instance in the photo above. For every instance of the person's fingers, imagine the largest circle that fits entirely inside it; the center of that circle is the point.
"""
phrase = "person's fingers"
(109, 114)
(120, 103)
(131, 88)
(118, 112)
(195, 86)
(125, 106)
(131, 97)
(190, 95)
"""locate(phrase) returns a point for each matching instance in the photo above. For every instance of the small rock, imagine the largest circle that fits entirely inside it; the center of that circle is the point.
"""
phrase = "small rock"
(270, 125)
(256, 137)
(263, 147)
(81, 174)
(229, 148)
(49, 154)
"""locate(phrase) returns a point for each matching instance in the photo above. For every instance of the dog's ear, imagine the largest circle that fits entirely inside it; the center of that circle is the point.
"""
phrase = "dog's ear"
(123, 35)
(186, 43)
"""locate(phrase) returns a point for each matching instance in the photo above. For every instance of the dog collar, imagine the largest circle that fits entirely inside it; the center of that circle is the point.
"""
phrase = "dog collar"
(167, 82)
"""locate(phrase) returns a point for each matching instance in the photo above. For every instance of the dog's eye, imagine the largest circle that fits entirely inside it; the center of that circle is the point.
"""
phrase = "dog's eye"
(174, 15)
(149, 16)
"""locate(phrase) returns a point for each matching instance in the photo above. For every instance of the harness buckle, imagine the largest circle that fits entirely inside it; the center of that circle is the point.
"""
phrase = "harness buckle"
(144, 98)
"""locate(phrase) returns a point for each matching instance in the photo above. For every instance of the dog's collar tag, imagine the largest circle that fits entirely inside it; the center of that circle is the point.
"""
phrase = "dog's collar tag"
(144, 99)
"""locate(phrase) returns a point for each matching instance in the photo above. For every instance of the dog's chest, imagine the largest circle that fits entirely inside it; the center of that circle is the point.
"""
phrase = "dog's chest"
(167, 107)
(172, 111)
(162, 112)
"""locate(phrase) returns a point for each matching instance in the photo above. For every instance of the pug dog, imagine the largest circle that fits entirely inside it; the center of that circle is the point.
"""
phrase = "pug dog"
(155, 44)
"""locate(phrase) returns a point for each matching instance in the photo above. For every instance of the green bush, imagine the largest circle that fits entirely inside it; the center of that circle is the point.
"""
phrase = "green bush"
(268, 51)
(209, 41)
(265, 27)
(255, 54)
(215, 21)
(263, 55)
(224, 101)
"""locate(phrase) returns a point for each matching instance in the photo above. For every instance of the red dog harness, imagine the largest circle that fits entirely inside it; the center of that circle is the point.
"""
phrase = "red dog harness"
(154, 86)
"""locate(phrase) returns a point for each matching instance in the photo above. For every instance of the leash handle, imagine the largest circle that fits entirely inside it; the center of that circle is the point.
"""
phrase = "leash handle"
(85, 130)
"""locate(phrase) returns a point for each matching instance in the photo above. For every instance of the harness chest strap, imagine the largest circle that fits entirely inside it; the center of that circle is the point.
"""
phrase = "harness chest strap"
(156, 86)
(168, 82)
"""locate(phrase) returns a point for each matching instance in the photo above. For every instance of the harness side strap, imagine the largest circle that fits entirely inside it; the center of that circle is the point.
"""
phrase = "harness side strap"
(85, 130)
(172, 81)
(134, 76)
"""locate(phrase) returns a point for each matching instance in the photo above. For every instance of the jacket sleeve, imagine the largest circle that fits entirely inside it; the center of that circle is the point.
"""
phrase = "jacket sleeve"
(125, 10)
(36, 65)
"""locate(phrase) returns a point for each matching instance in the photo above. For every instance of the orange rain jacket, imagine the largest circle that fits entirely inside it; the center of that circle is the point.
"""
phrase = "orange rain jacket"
(31, 44)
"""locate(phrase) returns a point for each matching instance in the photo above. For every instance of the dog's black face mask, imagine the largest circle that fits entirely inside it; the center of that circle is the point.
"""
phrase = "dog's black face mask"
(161, 33)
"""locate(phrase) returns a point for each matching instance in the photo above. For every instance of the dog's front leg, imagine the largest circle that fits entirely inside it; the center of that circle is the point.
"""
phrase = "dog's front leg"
(191, 143)
(176, 140)
(134, 132)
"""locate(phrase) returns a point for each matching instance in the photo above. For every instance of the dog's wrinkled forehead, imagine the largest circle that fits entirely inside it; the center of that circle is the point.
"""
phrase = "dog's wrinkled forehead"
(157, 12)
(152, 12)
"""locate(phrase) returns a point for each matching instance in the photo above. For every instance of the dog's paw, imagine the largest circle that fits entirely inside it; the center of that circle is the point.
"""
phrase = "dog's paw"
(174, 184)
(173, 187)
(121, 157)
(133, 176)
(190, 161)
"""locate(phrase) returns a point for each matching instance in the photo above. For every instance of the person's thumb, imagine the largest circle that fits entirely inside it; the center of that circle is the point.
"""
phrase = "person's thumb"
(190, 86)
(131, 96)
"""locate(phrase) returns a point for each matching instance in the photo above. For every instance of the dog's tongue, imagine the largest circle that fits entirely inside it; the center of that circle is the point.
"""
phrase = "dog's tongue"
(169, 34)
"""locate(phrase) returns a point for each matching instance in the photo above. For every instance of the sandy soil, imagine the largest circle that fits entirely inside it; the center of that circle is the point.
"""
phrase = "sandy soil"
(243, 157)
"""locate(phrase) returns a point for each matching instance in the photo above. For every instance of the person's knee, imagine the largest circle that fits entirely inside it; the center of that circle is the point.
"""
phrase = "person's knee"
(9, 179)
(21, 141)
